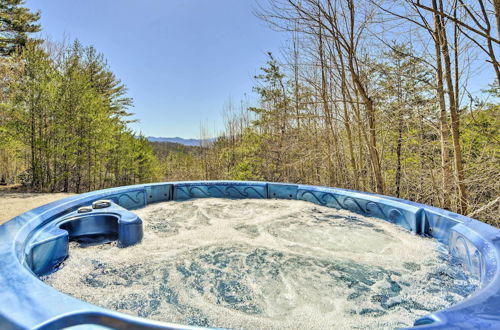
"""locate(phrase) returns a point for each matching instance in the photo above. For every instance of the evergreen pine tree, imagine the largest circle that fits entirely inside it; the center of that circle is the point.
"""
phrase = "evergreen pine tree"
(16, 21)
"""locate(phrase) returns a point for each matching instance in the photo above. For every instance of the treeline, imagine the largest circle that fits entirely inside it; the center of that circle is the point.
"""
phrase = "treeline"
(64, 122)
(63, 114)
(373, 96)
(178, 162)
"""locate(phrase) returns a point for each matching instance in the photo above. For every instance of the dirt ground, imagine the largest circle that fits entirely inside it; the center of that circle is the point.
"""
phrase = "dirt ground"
(14, 203)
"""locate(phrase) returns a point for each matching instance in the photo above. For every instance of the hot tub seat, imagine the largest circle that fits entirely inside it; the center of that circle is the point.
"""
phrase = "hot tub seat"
(49, 246)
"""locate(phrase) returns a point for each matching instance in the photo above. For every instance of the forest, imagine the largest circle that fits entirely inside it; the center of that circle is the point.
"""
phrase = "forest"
(375, 95)
(63, 114)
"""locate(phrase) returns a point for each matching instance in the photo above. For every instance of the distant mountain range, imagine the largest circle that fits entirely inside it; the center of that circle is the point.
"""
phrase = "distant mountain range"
(186, 142)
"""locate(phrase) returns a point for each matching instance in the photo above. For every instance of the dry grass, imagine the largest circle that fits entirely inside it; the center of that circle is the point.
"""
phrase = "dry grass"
(14, 203)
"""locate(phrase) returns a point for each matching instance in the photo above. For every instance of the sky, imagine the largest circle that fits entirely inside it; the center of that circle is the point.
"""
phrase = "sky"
(181, 60)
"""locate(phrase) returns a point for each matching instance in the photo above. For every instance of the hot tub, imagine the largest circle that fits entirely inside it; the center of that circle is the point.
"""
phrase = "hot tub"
(36, 242)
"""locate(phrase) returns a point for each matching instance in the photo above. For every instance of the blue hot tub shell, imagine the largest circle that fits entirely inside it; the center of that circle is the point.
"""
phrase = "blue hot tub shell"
(49, 245)
(35, 242)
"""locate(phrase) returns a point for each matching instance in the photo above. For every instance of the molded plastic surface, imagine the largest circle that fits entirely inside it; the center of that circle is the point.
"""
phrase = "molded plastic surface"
(36, 242)
(48, 247)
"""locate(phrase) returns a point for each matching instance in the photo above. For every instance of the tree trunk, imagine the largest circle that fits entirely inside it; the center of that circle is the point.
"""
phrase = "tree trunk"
(443, 120)
(455, 123)
(398, 159)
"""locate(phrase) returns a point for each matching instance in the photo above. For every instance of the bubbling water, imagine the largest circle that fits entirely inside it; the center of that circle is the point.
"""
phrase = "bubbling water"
(266, 264)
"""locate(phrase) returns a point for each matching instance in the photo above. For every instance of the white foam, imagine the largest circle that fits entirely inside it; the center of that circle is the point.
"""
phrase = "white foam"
(266, 264)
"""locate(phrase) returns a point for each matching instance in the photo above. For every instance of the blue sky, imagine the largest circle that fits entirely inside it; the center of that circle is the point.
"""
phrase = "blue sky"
(180, 59)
